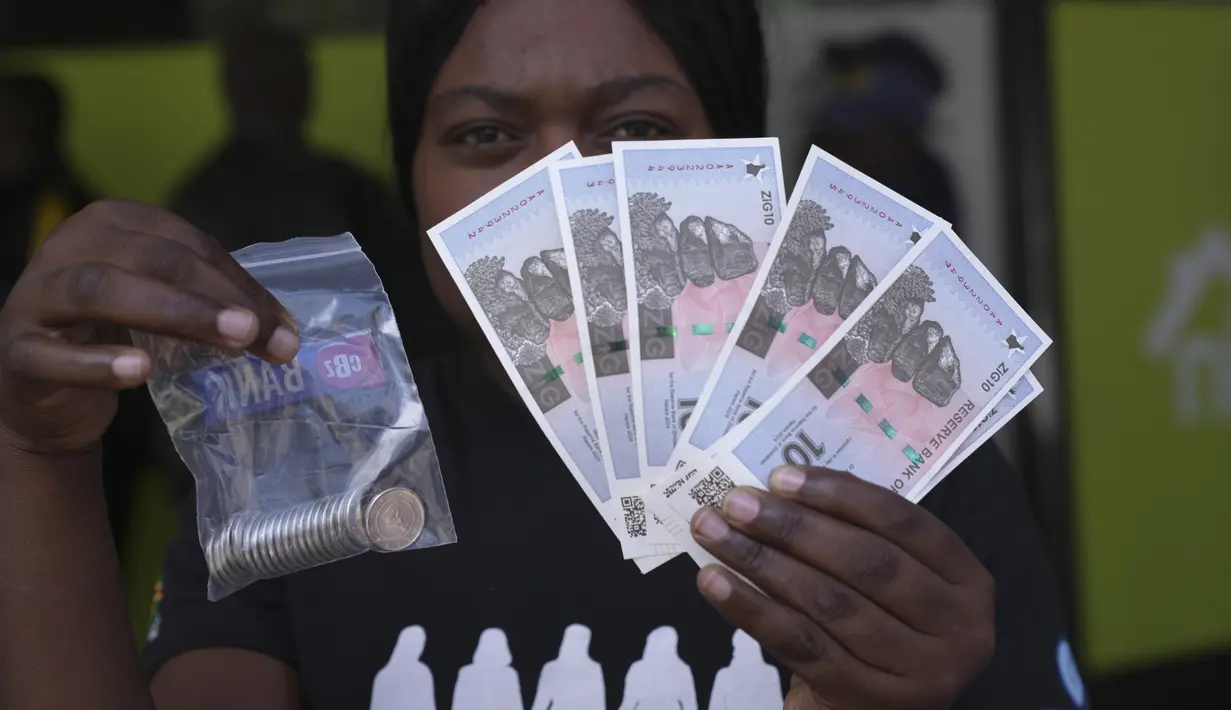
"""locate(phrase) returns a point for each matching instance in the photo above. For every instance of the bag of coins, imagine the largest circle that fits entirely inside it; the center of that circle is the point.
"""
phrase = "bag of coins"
(311, 462)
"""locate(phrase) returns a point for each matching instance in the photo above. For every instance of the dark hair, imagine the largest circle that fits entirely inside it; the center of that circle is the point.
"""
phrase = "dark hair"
(718, 43)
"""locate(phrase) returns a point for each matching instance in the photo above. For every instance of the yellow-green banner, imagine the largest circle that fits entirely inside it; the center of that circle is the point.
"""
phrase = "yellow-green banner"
(1143, 148)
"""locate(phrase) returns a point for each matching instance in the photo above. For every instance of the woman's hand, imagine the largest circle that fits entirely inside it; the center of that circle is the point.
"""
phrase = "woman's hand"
(115, 266)
(872, 602)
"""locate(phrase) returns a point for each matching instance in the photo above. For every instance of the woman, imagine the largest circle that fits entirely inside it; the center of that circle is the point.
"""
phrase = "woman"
(873, 603)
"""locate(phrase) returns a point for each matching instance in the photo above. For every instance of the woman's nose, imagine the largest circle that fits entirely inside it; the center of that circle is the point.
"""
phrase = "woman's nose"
(554, 135)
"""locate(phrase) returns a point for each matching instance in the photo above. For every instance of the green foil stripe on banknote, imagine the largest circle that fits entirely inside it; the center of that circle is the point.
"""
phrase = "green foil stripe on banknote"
(808, 341)
(703, 329)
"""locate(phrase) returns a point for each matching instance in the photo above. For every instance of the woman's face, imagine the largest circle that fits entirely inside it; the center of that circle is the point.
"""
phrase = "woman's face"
(527, 77)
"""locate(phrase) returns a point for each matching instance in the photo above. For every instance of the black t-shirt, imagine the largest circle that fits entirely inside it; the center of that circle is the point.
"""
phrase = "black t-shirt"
(534, 607)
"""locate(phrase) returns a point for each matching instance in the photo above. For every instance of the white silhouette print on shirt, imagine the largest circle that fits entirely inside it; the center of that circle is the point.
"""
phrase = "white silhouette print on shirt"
(660, 680)
(405, 683)
(489, 682)
(749, 683)
(573, 681)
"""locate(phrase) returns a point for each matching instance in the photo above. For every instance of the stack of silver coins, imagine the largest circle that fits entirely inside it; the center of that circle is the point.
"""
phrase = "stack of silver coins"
(266, 545)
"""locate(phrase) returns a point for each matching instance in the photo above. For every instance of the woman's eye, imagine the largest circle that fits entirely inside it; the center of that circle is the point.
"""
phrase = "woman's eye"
(638, 130)
(483, 136)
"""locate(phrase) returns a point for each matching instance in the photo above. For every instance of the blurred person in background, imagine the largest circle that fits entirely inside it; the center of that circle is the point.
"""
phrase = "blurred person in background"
(38, 190)
(868, 601)
(875, 117)
(266, 183)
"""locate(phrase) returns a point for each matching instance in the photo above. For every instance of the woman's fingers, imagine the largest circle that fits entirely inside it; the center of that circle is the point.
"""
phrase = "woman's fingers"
(866, 630)
(40, 357)
(155, 221)
(151, 242)
(800, 644)
(99, 292)
(912, 528)
(874, 567)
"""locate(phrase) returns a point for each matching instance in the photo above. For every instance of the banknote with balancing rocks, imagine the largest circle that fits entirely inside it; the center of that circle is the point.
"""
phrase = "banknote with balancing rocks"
(585, 196)
(700, 216)
(1013, 401)
(1010, 404)
(506, 254)
(891, 396)
(841, 235)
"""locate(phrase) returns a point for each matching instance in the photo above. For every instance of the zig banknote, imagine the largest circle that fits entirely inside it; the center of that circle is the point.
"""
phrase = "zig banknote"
(700, 216)
(506, 254)
(1010, 404)
(842, 233)
(585, 196)
(1003, 411)
(893, 394)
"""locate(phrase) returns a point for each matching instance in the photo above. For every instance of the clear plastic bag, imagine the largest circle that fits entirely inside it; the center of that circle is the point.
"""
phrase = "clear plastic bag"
(312, 462)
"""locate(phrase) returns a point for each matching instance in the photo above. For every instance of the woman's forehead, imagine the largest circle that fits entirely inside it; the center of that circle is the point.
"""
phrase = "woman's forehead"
(532, 45)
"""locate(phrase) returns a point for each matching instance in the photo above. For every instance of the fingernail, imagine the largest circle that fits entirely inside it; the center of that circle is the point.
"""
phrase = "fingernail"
(741, 506)
(710, 525)
(786, 480)
(237, 325)
(283, 344)
(714, 584)
(130, 368)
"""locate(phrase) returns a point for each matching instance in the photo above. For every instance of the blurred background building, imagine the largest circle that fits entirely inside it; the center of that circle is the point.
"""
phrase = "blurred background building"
(1079, 147)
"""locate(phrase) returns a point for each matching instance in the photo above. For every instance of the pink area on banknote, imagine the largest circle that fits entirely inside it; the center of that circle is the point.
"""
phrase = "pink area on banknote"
(564, 349)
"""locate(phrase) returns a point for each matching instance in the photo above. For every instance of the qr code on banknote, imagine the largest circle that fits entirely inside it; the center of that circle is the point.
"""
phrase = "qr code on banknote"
(711, 489)
(634, 515)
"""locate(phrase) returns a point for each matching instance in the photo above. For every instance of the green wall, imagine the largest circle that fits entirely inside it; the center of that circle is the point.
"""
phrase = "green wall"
(1143, 150)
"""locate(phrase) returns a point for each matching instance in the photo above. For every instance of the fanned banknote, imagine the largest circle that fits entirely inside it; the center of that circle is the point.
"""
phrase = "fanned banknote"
(1010, 404)
(892, 395)
(842, 233)
(700, 216)
(585, 196)
(506, 254)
